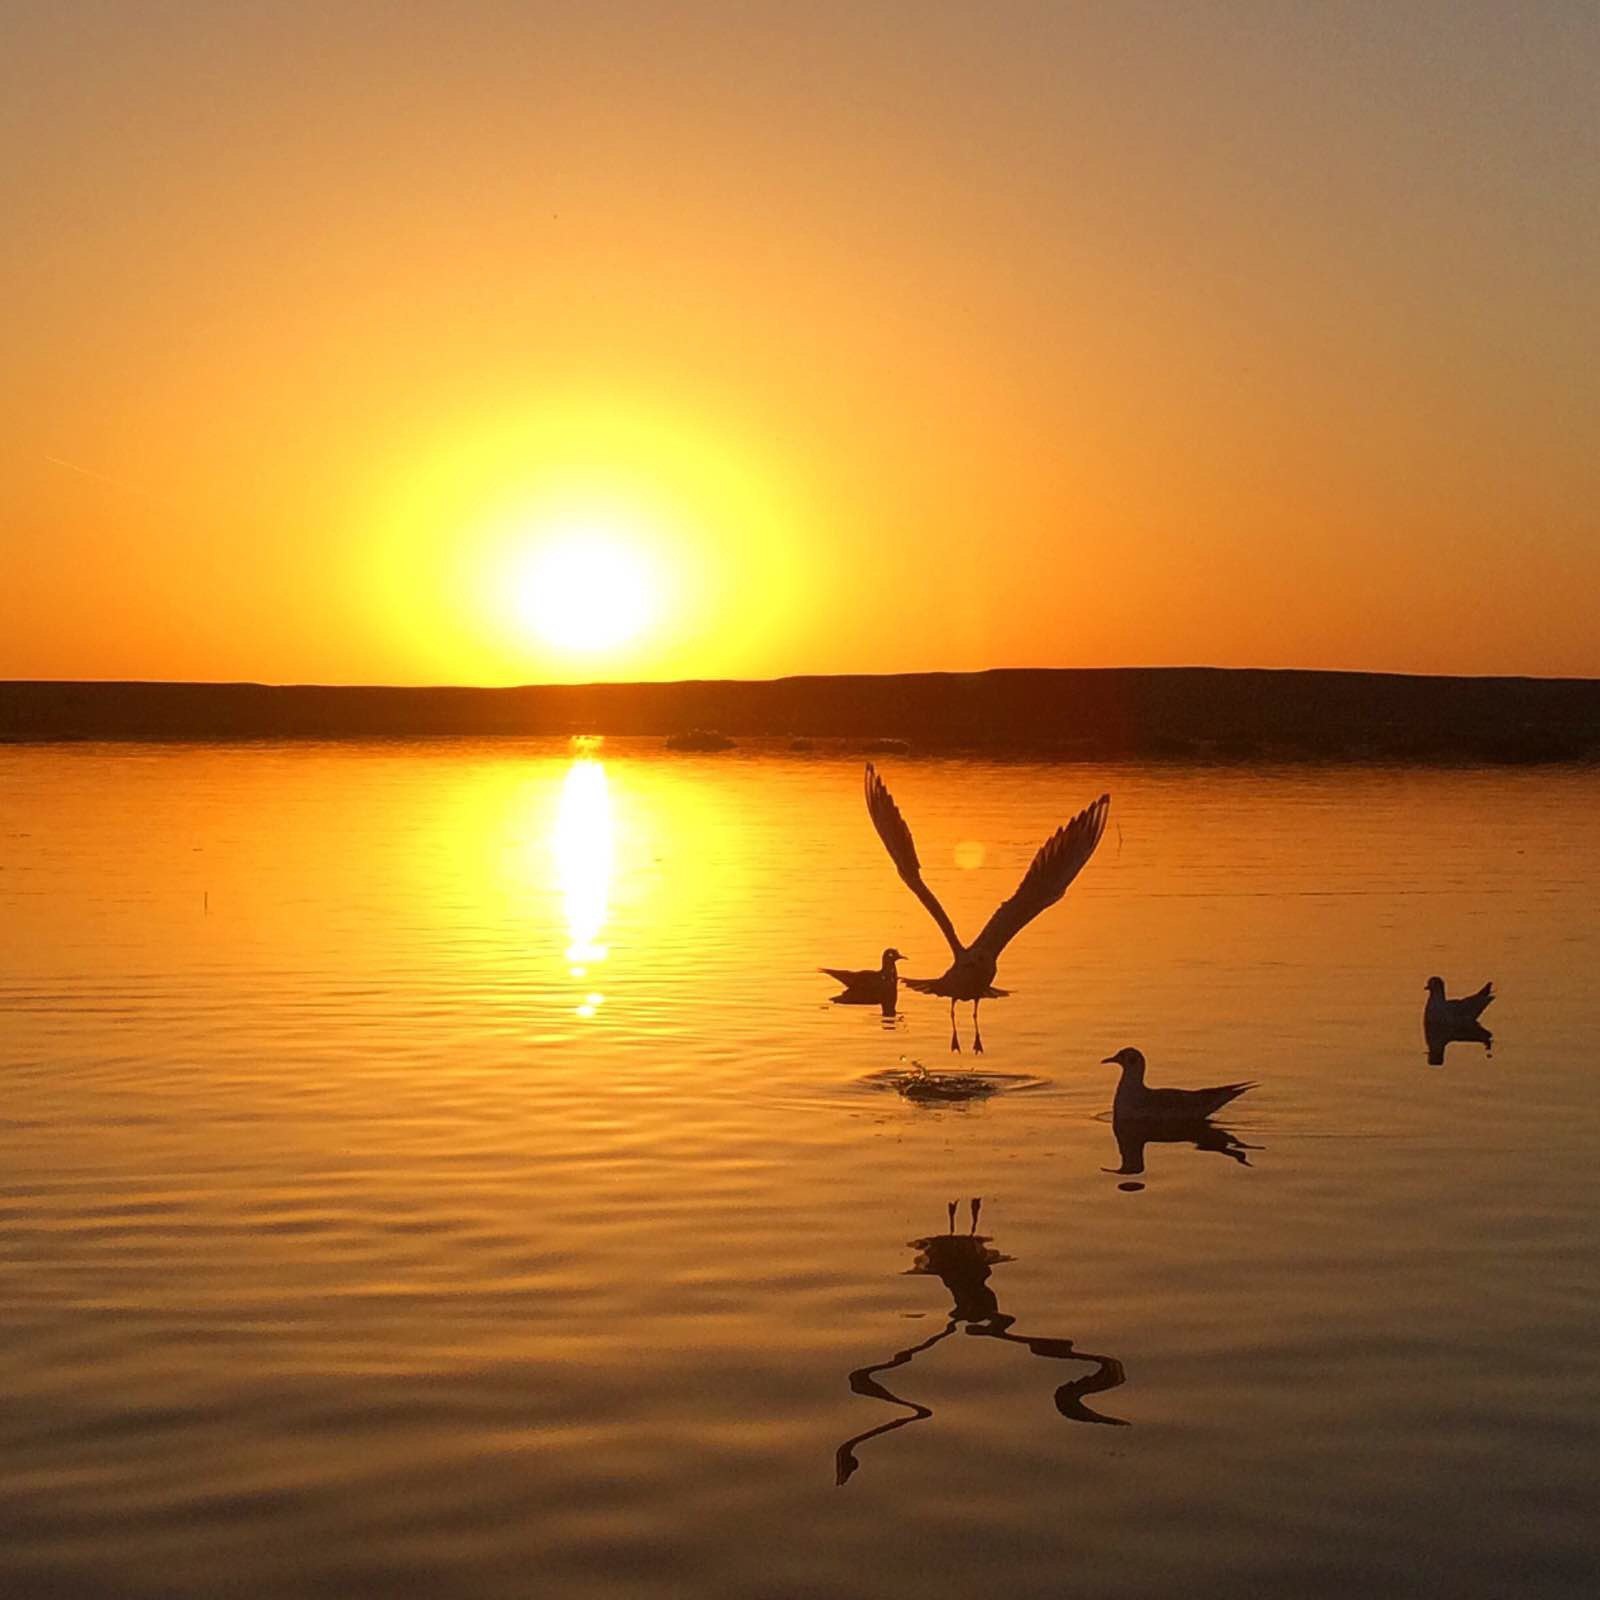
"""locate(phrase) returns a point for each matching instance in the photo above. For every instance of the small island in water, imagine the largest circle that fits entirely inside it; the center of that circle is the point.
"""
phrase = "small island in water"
(1180, 713)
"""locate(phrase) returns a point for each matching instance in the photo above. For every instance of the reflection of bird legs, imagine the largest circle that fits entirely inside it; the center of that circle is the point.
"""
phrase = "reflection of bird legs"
(977, 1038)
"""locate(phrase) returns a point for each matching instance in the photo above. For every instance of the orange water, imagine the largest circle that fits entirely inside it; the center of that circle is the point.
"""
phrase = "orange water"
(437, 1170)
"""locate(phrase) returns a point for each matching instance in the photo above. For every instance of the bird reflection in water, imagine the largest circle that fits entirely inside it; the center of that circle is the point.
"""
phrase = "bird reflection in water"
(1134, 1133)
(963, 1263)
(583, 845)
(1441, 1033)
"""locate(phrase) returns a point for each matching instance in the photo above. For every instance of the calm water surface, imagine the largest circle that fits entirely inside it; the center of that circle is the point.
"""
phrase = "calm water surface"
(437, 1170)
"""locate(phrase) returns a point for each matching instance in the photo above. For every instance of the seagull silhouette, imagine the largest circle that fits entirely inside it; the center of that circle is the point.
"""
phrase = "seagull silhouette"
(1135, 1101)
(1442, 1012)
(877, 986)
(970, 975)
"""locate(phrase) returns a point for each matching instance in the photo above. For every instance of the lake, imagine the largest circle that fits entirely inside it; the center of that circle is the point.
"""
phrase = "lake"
(437, 1169)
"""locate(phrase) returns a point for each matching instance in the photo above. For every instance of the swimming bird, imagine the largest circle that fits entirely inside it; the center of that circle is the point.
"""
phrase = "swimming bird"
(1134, 1100)
(1441, 1012)
(869, 988)
(970, 975)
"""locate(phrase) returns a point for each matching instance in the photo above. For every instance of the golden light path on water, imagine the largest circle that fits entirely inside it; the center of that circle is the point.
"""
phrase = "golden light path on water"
(583, 843)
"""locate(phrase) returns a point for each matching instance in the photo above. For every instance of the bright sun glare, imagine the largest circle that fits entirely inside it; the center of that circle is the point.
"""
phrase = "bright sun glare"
(586, 590)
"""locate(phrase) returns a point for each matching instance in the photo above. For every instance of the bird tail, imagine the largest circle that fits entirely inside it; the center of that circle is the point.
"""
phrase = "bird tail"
(1224, 1092)
(936, 986)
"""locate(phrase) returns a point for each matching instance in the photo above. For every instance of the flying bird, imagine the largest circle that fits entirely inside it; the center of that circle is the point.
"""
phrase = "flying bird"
(874, 987)
(1440, 1012)
(1134, 1100)
(971, 973)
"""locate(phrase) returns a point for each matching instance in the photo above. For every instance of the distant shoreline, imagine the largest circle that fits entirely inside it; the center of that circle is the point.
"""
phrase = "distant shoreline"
(1231, 714)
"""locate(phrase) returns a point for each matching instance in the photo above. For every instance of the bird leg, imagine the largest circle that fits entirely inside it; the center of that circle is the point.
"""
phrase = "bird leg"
(955, 1041)
(977, 1038)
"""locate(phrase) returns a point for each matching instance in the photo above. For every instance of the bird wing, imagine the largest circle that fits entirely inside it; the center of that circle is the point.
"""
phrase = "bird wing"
(848, 978)
(897, 841)
(1187, 1105)
(1060, 859)
(1462, 1008)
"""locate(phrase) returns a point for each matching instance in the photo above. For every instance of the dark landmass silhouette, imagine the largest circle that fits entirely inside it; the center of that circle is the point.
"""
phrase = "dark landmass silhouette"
(1183, 713)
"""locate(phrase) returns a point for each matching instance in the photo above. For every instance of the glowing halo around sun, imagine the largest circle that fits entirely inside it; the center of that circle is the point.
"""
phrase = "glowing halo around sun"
(584, 591)
(587, 539)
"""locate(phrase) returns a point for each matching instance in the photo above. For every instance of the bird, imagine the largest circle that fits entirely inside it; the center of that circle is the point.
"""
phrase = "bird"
(874, 987)
(1441, 1012)
(1447, 1022)
(971, 973)
(1135, 1101)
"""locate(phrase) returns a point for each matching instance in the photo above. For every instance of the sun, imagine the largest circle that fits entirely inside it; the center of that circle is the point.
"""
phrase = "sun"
(586, 589)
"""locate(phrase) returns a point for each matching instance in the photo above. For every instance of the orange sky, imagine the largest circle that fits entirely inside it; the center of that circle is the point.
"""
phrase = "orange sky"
(878, 337)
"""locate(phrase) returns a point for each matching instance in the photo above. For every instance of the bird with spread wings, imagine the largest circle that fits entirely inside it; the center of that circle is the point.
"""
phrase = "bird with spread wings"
(971, 973)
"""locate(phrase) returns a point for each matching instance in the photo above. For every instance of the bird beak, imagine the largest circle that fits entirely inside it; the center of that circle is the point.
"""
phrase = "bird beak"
(1109, 1061)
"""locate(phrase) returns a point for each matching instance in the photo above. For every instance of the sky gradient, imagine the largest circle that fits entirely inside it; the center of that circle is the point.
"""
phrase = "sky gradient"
(880, 337)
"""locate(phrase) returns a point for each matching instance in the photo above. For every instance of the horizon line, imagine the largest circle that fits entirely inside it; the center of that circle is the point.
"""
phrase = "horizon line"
(791, 677)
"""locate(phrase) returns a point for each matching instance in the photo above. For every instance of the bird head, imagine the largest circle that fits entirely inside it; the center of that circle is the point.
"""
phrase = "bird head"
(1125, 1057)
(891, 955)
(1435, 986)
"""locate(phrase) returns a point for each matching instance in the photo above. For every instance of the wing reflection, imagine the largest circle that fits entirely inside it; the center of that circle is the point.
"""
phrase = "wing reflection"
(1134, 1133)
(583, 844)
(963, 1263)
(1440, 1034)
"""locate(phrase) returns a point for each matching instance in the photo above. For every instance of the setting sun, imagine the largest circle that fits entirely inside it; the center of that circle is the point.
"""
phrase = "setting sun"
(586, 590)
(586, 536)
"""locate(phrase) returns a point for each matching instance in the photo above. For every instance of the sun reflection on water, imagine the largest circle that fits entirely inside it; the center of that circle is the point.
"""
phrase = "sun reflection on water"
(584, 847)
